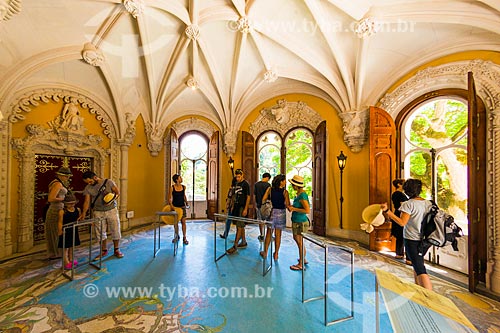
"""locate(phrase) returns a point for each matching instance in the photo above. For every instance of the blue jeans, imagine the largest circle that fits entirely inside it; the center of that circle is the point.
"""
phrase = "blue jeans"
(228, 225)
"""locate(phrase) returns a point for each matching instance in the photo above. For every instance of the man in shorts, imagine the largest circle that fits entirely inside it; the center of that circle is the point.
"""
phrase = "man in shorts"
(95, 192)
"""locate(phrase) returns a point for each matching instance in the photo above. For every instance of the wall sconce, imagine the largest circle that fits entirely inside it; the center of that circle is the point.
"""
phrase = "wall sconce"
(230, 162)
(341, 159)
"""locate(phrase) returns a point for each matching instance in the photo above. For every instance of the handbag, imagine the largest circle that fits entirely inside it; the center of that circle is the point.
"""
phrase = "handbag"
(266, 209)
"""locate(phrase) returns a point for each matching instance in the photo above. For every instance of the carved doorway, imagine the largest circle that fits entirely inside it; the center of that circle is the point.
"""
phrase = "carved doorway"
(45, 168)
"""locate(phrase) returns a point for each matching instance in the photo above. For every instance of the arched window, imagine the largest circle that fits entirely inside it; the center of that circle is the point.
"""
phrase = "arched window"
(269, 153)
(434, 147)
(193, 161)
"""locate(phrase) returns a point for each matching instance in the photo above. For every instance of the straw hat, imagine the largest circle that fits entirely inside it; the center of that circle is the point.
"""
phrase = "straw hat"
(170, 219)
(297, 181)
(108, 198)
(64, 171)
(372, 214)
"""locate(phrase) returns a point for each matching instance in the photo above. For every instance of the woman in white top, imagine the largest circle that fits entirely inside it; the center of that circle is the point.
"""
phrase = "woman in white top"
(413, 212)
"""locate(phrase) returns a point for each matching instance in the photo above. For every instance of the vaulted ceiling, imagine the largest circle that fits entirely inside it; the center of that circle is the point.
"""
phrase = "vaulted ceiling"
(221, 58)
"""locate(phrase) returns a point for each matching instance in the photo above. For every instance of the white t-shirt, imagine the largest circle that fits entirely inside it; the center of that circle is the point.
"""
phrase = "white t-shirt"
(417, 209)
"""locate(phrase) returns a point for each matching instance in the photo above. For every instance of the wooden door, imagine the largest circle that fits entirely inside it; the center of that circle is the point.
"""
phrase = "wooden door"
(248, 166)
(382, 172)
(213, 176)
(476, 208)
(319, 180)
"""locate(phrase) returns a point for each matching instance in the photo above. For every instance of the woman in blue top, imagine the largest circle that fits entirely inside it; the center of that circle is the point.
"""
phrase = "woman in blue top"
(300, 209)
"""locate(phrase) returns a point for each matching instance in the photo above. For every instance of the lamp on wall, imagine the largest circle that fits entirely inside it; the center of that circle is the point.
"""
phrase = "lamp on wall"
(230, 162)
(341, 159)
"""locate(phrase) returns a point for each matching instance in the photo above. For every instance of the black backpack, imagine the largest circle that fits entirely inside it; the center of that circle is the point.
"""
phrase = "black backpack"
(439, 228)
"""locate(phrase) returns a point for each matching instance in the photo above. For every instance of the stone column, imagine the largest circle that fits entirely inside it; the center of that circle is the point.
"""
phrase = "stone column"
(26, 192)
(493, 269)
(5, 220)
(124, 185)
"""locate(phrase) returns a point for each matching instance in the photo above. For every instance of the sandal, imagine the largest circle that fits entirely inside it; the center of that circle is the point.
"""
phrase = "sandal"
(275, 256)
(262, 254)
(297, 268)
(185, 241)
(305, 262)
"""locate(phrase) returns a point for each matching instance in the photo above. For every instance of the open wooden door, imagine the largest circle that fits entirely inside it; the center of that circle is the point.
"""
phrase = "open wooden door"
(476, 208)
(213, 176)
(248, 166)
(382, 172)
(319, 181)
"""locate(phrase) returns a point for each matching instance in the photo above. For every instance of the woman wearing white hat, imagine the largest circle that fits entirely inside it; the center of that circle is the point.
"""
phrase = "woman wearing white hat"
(300, 209)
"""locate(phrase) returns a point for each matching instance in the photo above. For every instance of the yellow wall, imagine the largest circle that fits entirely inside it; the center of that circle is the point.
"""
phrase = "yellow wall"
(146, 183)
(355, 179)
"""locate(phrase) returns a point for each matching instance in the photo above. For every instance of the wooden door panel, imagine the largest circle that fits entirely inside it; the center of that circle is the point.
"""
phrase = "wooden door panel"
(382, 172)
(319, 181)
(213, 176)
(248, 166)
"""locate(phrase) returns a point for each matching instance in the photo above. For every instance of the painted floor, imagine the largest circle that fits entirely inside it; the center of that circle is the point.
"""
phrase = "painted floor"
(190, 292)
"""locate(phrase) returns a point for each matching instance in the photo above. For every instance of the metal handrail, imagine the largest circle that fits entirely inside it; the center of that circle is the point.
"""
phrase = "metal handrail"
(157, 225)
(74, 226)
(224, 217)
(325, 246)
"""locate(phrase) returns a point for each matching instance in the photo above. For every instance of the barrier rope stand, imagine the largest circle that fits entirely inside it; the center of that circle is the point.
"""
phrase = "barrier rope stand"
(157, 225)
(325, 246)
(74, 226)
(221, 218)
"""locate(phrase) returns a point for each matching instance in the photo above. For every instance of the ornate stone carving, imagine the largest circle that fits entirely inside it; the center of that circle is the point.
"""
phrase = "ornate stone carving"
(131, 130)
(354, 124)
(134, 7)
(366, 27)
(192, 32)
(199, 125)
(452, 75)
(243, 25)
(230, 138)
(9, 8)
(46, 95)
(283, 116)
(154, 133)
(270, 76)
(92, 55)
(69, 120)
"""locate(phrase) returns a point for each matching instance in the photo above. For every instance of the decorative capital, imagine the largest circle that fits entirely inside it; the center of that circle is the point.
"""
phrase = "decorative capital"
(154, 133)
(355, 129)
(134, 7)
(92, 55)
(9, 8)
(192, 32)
(230, 138)
(131, 130)
(366, 27)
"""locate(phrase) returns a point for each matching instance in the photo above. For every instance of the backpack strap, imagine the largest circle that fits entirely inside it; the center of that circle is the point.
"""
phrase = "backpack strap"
(99, 192)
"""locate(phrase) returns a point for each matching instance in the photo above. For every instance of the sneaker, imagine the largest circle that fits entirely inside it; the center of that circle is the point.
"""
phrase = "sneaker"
(242, 245)
(222, 236)
(104, 253)
(75, 263)
(118, 253)
(231, 250)
(261, 238)
(68, 265)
